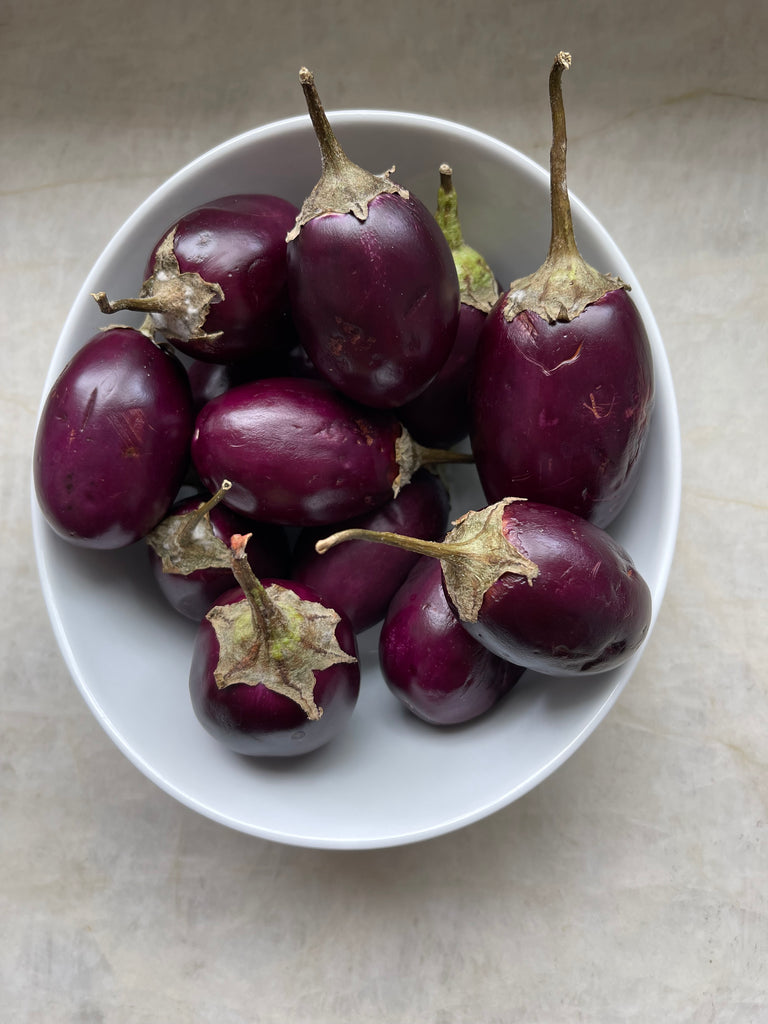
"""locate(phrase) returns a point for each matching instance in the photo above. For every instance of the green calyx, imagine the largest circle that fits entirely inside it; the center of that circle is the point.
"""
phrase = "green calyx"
(476, 279)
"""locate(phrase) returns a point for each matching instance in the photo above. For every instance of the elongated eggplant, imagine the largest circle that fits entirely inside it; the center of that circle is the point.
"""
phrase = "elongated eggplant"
(537, 585)
(430, 662)
(374, 291)
(300, 454)
(112, 445)
(440, 415)
(563, 388)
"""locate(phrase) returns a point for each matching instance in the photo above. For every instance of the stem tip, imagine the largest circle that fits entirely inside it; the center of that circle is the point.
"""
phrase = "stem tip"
(237, 542)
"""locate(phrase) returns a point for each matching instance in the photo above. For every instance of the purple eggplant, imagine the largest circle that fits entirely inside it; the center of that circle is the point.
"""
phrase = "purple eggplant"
(563, 388)
(300, 454)
(274, 671)
(189, 552)
(209, 380)
(430, 662)
(112, 445)
(216, 281)
(440, 415)
(537, 585)
(373, 287)
(419, 510)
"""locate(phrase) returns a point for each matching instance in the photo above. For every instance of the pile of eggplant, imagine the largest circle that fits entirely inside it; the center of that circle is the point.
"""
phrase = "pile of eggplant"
(273, 434)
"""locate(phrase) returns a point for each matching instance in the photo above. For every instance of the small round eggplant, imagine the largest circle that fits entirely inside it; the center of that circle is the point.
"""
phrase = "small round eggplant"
(112, 445)
(537, 585)
(430, 662)
(216, 281)
(373, 288)
(300, 454)
(440, 415)
(274, 671)
(563, 387)
(419, 510)
(189, 552)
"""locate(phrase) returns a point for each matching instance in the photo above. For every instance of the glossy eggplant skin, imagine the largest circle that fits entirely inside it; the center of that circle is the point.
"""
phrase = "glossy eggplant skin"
(112, 445)
(587, 611)
(237, 242)
(194, 593)
(375, 303)
(296, 452)
(360, 579)
(430, 662)
(561, 412)
(440, 416)
(257, 721)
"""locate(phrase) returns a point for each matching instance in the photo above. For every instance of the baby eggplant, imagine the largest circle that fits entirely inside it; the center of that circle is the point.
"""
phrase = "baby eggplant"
(112, 445)
(189, 552)
(216, 281)
(440, 415)
(419, 510)
(274, 671)
(537, 585)
(373, 287)
(563, 387)
(430, 662)
(300, 454)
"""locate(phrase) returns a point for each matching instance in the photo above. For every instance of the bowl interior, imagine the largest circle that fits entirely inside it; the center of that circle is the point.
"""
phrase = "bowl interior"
(390, 779)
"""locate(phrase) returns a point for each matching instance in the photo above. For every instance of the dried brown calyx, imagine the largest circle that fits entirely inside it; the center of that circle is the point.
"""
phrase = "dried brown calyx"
(186, 542)
(344, 187)
(565, 284)
(411, 456)
(177, 302)
(273, 637)
(478, 284)
(474, 555)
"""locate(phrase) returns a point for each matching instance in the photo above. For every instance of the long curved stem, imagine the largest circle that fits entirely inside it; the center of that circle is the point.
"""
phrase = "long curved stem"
(432, 548)
(333, 157)
(562, 240)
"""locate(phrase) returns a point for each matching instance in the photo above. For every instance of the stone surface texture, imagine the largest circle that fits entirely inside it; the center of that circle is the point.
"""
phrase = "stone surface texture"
(632, 885)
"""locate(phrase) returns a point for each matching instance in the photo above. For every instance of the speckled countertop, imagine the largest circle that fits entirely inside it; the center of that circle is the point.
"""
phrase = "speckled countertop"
(631, 884)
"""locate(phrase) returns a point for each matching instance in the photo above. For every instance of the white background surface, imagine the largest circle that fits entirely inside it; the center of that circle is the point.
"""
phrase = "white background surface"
(629, 886)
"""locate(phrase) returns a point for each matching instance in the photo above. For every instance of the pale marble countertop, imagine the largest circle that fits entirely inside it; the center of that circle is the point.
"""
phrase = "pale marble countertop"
(630, 885)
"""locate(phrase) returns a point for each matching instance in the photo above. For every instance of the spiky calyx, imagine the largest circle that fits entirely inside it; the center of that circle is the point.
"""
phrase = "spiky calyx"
(343, 186)
(565, 284)
(274, 638)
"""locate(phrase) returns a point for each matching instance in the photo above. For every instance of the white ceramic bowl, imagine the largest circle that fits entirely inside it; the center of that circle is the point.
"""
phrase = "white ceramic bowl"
(390, 779)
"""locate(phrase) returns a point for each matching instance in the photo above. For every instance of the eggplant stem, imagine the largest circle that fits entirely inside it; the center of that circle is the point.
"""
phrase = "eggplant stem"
(432, 548)
(447, 215)
(193, 518)
(255, 593)
(333, 157)
(433, 456)
(148, 304)
(562, 240)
